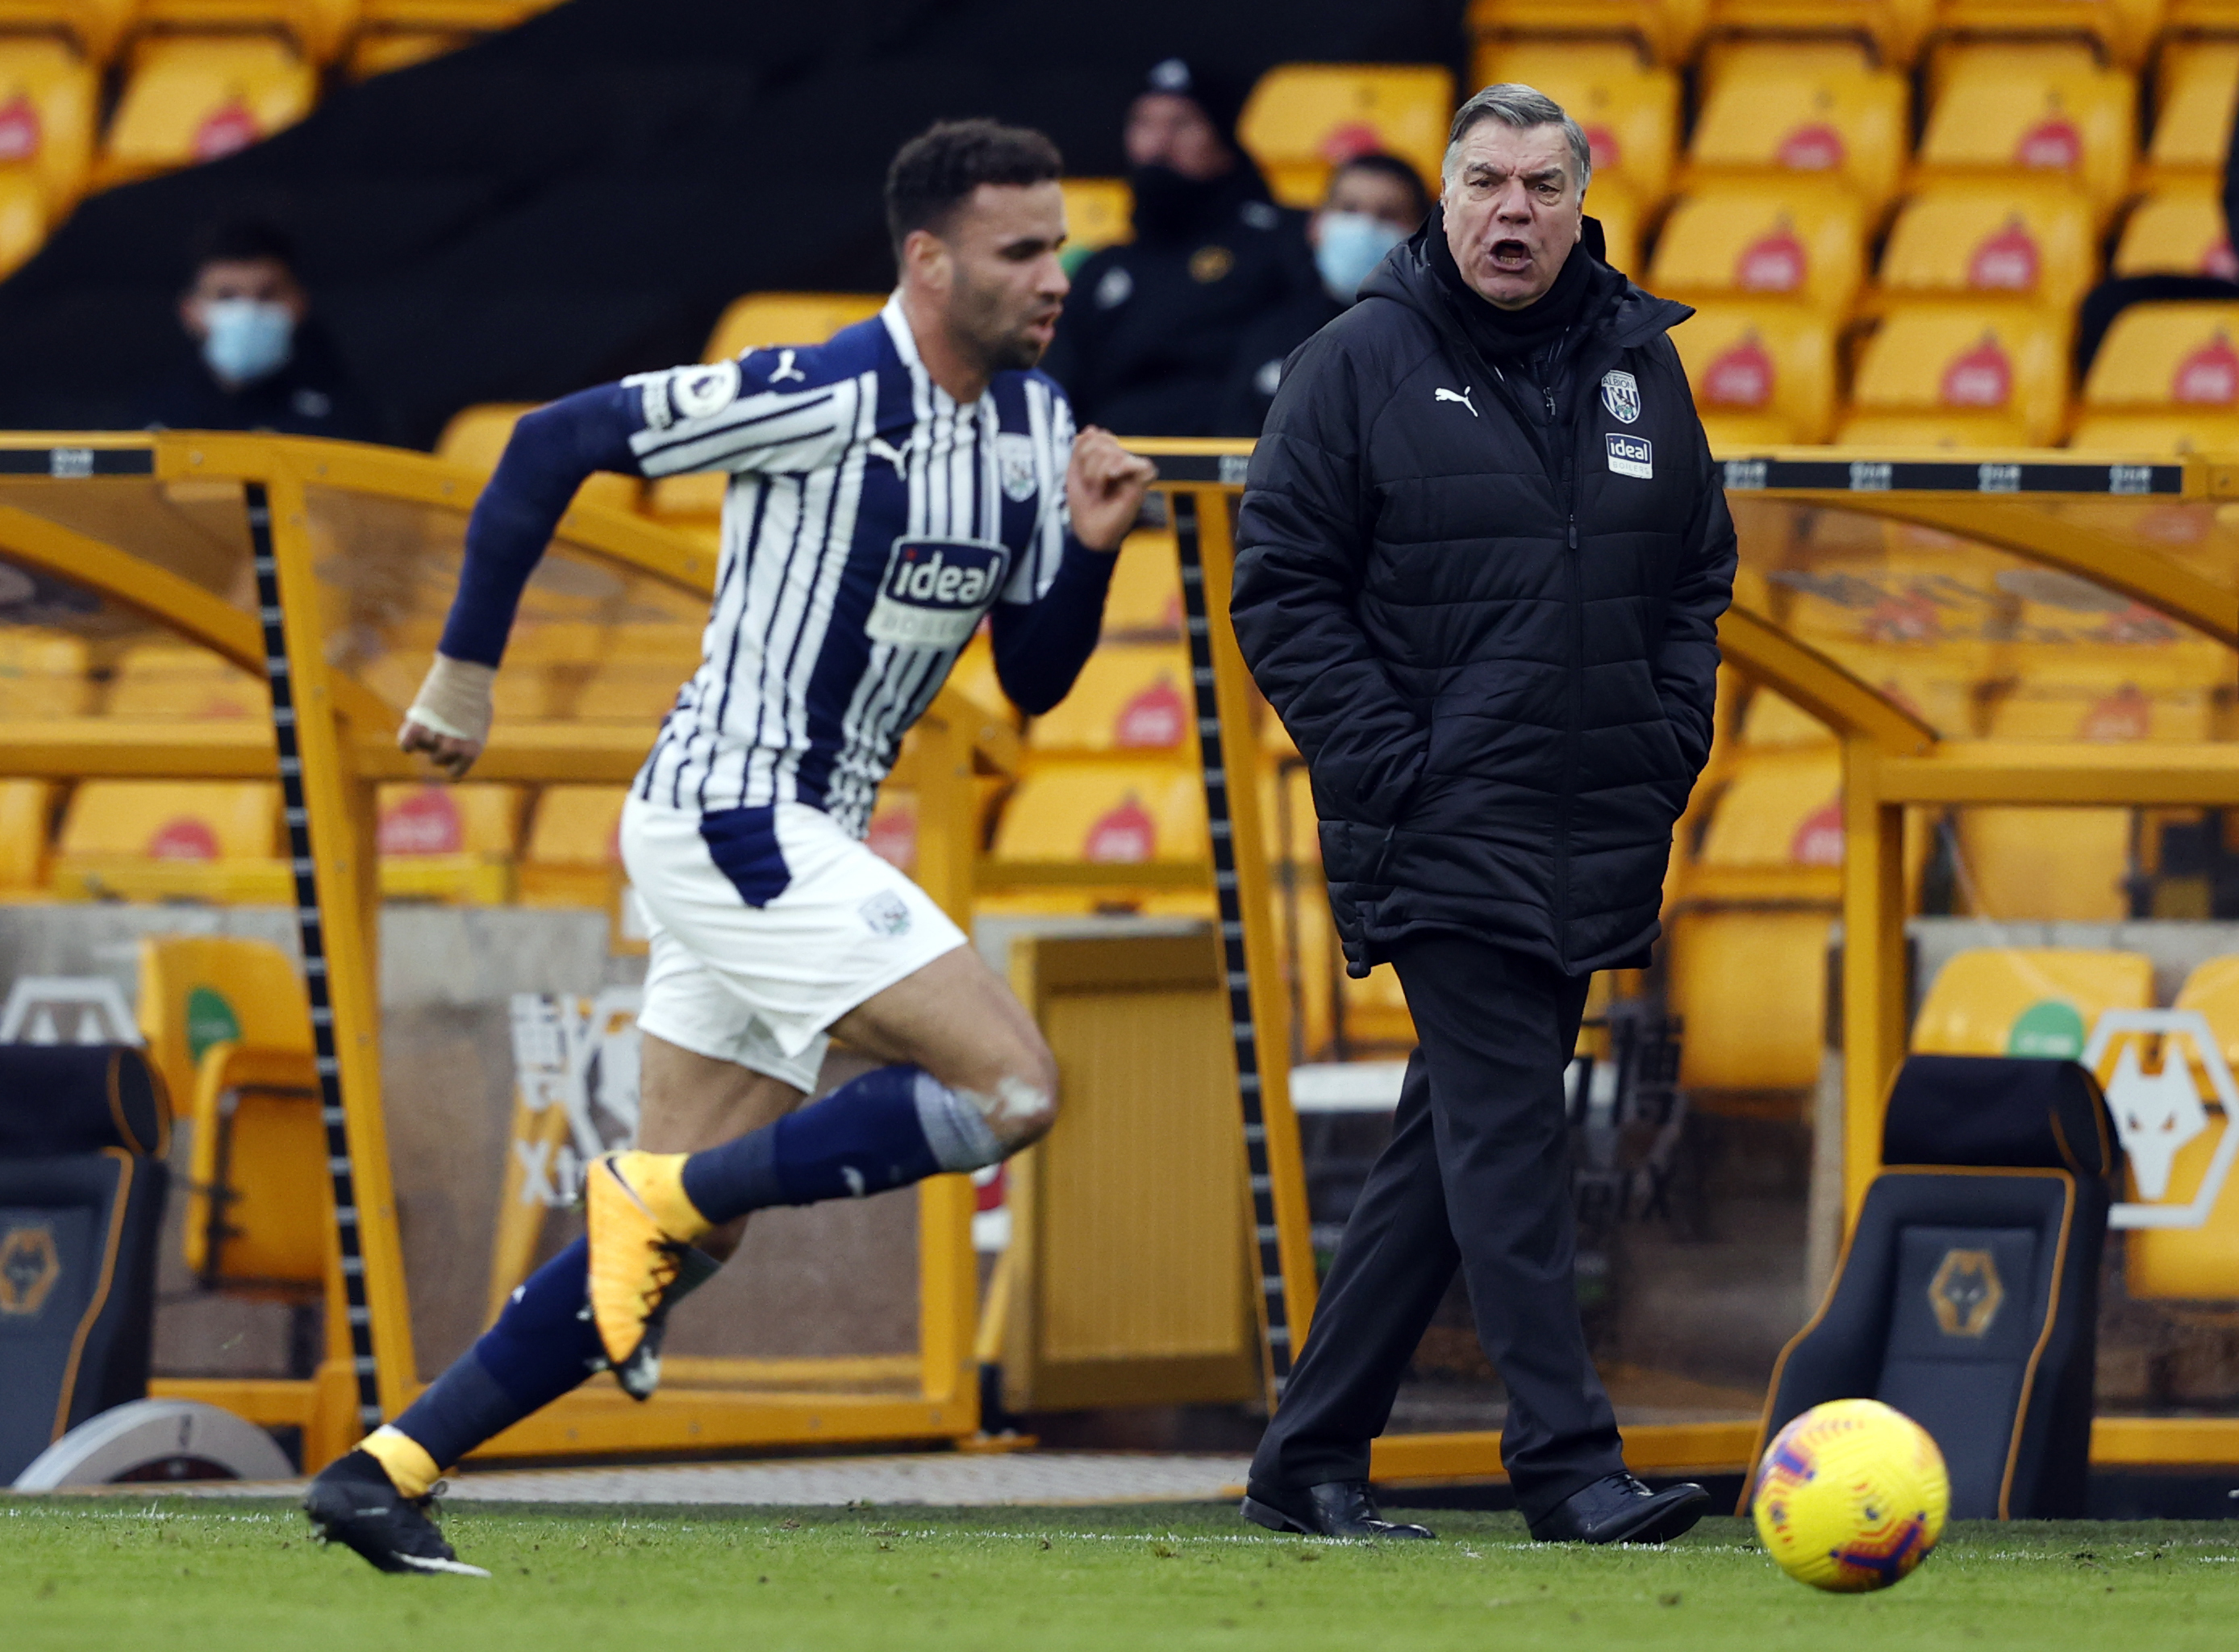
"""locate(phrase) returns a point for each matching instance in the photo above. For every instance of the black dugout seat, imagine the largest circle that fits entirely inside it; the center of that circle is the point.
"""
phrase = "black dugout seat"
(1968, 1297)
(82, 1134)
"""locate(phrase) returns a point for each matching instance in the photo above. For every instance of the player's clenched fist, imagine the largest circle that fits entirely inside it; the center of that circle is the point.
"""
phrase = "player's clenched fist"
(1105, 485)
(450, 717)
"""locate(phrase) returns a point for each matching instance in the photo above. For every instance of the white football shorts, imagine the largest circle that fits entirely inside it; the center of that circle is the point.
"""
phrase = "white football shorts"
(766, 925)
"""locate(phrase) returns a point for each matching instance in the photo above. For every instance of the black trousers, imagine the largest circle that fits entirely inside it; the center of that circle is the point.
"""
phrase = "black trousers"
(1477, 1176)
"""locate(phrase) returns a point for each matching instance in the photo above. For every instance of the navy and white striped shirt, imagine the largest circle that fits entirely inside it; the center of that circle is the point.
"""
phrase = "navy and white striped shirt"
(870, 524)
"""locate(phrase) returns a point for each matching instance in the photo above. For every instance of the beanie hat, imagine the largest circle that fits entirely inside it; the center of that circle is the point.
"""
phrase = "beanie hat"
(1220, 92)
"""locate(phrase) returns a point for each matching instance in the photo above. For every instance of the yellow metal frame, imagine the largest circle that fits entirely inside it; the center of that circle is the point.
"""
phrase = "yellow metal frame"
(1890, 759)
(346, 735)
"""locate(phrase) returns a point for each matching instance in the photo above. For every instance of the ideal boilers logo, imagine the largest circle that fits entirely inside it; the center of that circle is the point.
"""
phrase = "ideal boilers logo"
(935, 592)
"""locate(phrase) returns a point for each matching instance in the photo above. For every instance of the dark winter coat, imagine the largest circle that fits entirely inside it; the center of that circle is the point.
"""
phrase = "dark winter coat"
(1492, 632)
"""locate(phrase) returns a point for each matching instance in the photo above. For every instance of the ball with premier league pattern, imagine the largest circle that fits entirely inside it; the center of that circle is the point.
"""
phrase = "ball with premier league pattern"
(1851, 1496)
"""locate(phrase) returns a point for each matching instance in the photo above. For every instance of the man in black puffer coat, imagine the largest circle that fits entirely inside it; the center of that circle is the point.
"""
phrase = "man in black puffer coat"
(1481, 559)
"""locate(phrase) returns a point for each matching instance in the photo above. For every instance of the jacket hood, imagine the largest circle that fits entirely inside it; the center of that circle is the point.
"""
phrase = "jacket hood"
(1615, 306)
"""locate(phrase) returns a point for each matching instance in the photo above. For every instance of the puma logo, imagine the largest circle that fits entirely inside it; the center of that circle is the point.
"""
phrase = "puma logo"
(880, 448)
(785, 369)
(1461, 395)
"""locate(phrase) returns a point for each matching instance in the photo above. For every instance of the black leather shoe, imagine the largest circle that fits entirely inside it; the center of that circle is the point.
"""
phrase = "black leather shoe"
(1334, 1509)
(1617, 1509)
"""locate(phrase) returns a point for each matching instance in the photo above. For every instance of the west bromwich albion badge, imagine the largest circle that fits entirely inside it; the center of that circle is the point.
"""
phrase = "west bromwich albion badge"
(1621, 395)
(1015, 458)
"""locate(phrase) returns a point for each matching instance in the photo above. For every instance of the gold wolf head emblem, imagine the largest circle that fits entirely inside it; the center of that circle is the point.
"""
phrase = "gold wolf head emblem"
(1966, 1293)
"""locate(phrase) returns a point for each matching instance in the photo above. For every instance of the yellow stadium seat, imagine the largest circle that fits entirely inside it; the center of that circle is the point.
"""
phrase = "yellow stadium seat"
(2168, 356)
(1762, 372)
(761, 320)
(320, 26)
(2178, 230)
(1763, 238)
(25, 809)
(2196, 1264)
(1098, 212)
(1963, 375)
(1375, 1008)
(1776, 110)
(214, 840)
(190, 99)
(2124, 29)
(95, 25)
(2029, 240)
(1303, 118)
(1667, 29)
(22, 219)
(1938, 679)
(638, 675)
(1781, 808)
(1146, 599)
(1630, 111)
(454, 844)
(228, 1026)
(380, 51)
(572, 857)
(42, 674)
(2110, 693)
(2152, 435)
(480, 16)
(48, 98)
(1130, 698)
(2009, 111)
(973, 676)
(2026, 1001)
(1115, 813)
(1752, 987)
(2197, 94)
(476, 436)
(1893, 28)
(2045, 865)
(164, 681)
(1618, 214)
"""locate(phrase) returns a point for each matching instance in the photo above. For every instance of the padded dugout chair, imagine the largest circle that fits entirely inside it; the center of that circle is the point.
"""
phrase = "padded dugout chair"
(83, 1129)
(1968, 1297)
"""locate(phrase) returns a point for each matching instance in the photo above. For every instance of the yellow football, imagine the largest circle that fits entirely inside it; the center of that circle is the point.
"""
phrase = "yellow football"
(1851, 1496)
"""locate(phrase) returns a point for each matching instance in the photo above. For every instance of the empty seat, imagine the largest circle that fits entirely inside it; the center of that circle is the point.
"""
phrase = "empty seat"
(1629, 110)
(1893, 28)
(1776, 110)
(2178, 230)
(1781, 808)
(1763, 239)
(1752, 986)
(26, 807)
(1116, 813)
(164, 681)
(2026, 1001)
(1762, 374)
(1936, 678)
(2024, 239)
(1098, 212)
(191, 99)
(2123, 29)
(1146, 598)
(1302, 119)
(42, 674)
(2011, 110)
(383, 50)
(22, 219)
(479, 15)
(572, 857)
(1960, 376)
(639, 674)
(95, 25)
(1130, 698)
(2197, 93)
(454, 844)
(319, 27)
(1667, 28)
(229, 1025)
(1619, 216)
(476, 437)
(2044, 865)
(2166, 358)
(216, 839)
(47, 97)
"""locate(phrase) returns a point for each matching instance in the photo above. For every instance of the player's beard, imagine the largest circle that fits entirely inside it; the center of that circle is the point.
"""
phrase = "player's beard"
(978, 314)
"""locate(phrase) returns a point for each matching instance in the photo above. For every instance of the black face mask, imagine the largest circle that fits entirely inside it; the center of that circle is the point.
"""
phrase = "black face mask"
(1169, 207)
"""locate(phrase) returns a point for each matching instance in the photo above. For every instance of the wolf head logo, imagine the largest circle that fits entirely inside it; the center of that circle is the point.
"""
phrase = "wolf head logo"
(1966, 1293)
(2155, 1115)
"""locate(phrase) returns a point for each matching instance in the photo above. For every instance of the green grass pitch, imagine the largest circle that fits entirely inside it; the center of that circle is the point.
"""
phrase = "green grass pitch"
(89, 1575)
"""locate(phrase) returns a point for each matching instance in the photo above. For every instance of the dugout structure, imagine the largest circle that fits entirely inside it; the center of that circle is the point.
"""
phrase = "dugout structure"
(324, 569)
(1863, 579)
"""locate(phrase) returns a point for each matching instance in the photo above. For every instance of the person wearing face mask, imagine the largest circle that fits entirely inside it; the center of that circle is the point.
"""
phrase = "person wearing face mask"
(1481, 556)
(259, 361)
(1182, 331)
(1374, 202)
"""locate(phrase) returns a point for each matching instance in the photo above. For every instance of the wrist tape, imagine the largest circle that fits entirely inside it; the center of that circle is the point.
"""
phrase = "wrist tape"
(454, 700)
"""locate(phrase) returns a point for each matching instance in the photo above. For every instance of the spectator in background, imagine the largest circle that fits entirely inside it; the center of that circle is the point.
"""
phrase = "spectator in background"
(261, 361)
(1374, 202)
(1166, 335)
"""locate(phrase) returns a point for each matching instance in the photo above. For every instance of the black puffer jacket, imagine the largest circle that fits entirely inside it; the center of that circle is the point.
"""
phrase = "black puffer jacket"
(1492, 634)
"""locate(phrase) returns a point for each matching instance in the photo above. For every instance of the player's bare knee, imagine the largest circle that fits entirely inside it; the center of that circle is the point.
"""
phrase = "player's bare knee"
(1030, 1099)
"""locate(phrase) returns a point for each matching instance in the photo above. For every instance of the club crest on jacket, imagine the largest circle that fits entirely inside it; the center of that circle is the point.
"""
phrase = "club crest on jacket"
(1621, 395)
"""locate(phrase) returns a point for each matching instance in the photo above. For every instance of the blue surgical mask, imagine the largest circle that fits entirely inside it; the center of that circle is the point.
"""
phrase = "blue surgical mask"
(1351, 245)
(249, 338)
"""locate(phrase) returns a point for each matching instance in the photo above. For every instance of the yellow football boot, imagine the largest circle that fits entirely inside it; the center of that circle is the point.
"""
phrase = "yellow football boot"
(643, 1261)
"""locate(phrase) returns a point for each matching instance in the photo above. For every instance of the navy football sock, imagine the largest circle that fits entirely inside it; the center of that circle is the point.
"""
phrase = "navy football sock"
(883, 1130)
(543, 1345)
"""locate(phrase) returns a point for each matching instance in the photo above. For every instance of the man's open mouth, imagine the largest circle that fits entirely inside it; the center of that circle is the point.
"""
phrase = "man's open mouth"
(1510, 254)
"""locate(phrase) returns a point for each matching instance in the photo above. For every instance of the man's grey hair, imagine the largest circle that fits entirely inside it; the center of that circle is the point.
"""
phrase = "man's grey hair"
(1513, 104)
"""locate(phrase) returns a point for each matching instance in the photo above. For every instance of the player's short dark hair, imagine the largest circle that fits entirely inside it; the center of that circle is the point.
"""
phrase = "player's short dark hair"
(236, 240)
(936, 171)
(1385, 164)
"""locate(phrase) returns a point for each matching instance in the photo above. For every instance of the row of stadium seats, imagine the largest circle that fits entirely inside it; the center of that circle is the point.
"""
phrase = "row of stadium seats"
(323, 30)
